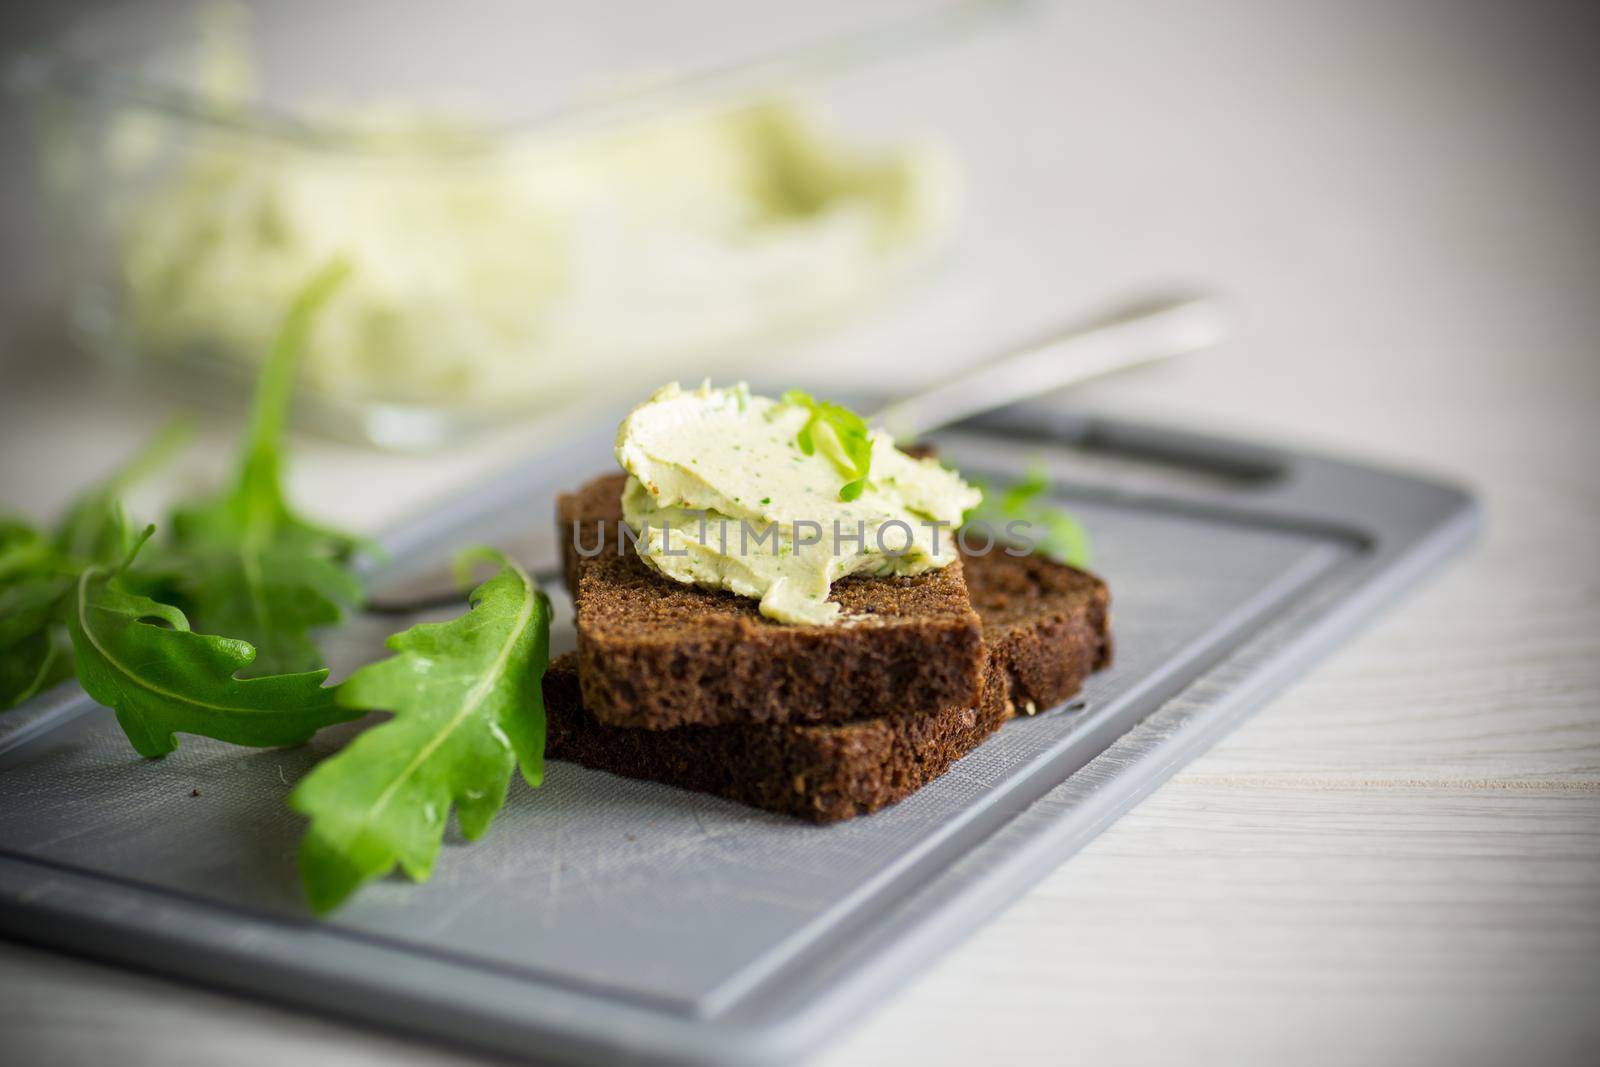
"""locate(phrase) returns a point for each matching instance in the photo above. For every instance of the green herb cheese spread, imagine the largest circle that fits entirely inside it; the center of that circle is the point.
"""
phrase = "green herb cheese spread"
(722, 494)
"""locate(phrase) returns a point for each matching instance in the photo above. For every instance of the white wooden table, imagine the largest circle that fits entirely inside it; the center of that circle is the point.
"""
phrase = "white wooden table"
(1398, 861)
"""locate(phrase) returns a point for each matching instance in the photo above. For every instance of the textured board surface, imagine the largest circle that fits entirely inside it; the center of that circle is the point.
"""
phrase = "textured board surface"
(606, 916)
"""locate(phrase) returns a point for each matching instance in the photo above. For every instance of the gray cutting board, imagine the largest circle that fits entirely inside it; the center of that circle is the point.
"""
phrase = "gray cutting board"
(604, 919)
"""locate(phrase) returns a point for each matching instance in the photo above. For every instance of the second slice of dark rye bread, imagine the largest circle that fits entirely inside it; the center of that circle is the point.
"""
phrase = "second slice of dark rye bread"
(656, 654)
(1045, 628)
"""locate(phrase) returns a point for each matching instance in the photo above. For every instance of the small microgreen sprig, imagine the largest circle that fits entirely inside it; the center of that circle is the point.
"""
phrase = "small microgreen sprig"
(848, 428)
(1057, 535)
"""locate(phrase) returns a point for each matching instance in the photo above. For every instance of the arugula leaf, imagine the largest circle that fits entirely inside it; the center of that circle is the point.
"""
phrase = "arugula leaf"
(31, 665)
(138, 657)
(38, 572)
(33, 579)
(250, 567)
(244, 563)
(24, 551)
(1055, 533)
(93, 530)
(468, 708)
(29, 604)
(849, 429)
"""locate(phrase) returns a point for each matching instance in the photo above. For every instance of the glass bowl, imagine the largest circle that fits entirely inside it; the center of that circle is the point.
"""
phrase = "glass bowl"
(536, 213)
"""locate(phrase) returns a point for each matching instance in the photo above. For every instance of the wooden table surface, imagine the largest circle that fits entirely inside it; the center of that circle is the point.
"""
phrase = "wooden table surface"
(1396, 861)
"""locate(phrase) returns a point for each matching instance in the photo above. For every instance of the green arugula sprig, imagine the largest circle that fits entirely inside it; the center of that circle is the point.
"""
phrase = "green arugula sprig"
(37, 573)
(32, 664)
(249, 567)
(854, 455)
(32, 647)
(467, 709)
(34, 579)
(223, 650)
(139, 658)
(93, 530)
(1055, 533)
(256, 578)
(242, 567)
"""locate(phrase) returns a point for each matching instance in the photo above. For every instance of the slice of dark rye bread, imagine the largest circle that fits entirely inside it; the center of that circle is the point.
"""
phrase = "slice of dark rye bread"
(1045, 628)
(1047, 624)
(656, 654)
